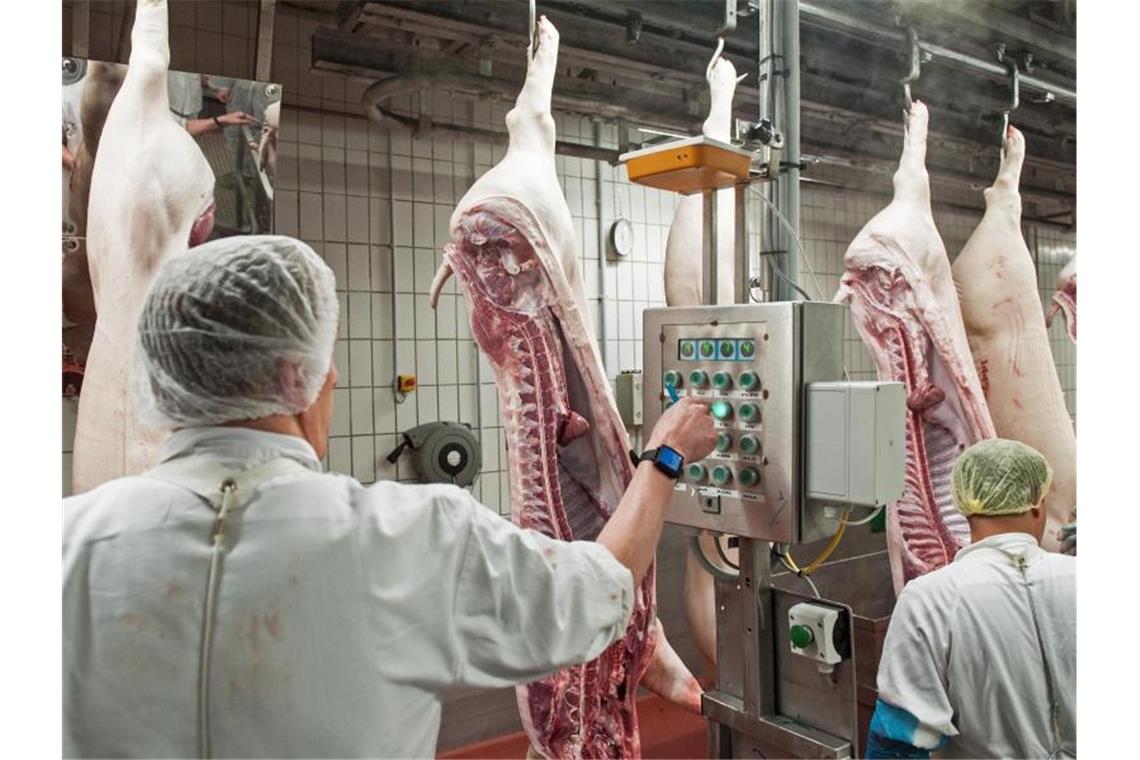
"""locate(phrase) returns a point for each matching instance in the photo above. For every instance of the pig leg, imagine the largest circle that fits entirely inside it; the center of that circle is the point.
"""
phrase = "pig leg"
(1005, 326)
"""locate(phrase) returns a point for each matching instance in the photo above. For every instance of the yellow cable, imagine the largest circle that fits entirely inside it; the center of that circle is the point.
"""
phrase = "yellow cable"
(823, 555)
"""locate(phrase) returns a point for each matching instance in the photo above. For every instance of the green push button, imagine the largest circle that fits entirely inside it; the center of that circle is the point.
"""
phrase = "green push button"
(688, 349)
(695, 472)
(722, 381)
(749, 477)
(747, 349)
(801, 636)
(674, 378)
(698, 378)
(721, 475)
(723, 441)
(749, 412)
(708, 348)
(722, 410)
(727, 349)
(749, 381)
(749, 444)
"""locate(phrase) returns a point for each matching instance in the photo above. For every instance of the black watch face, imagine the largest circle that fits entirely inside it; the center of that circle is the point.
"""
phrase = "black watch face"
(669, 458)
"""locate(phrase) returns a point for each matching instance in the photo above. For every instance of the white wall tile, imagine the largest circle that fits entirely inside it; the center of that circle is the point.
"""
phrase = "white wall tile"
(360, 410)
(341, 420)
(358, 265)
(363, 458)
(340, 455)
(360, 363)
(428, 404)
(382, 321)
(384, 410)
(359, 315)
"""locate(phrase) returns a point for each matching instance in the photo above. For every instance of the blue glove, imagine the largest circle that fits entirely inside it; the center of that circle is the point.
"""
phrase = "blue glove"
(1067, 534)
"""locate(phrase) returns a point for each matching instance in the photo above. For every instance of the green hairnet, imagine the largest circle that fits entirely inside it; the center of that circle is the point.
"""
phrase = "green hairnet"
(999, 477)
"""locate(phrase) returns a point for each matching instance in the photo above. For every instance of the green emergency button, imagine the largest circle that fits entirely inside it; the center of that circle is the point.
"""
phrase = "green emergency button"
(747, 349)
(722, 410)
(749, 444)
(722, 381)
(749, 412)
(749, 477)
(708, 348)
(721, 475)
(696, 472)
(673, 377)
(801, 636)
(749, 381)
(723, 441)
(698, 378)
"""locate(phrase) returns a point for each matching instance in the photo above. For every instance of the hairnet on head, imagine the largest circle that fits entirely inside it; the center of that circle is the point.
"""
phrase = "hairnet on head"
(999, 477)
(236, 329)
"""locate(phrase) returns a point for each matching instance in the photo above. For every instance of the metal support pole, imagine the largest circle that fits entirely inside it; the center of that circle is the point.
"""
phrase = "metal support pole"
(789, 201)
(265, 40)
(741, 273)
(709, 249)
(756, 627)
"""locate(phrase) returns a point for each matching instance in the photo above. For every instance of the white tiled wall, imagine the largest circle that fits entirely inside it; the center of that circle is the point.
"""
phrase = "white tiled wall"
(376, 204)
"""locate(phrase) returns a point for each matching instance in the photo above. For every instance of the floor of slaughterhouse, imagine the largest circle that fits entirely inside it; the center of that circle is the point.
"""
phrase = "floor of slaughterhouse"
(667, 731)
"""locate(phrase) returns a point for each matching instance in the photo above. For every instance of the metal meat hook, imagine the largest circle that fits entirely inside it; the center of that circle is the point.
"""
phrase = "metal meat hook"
(533, 38)
(915, 67)
(715, 58)
(1014, 91)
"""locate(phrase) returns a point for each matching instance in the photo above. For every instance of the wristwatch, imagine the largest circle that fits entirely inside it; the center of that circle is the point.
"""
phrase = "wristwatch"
(665, 458)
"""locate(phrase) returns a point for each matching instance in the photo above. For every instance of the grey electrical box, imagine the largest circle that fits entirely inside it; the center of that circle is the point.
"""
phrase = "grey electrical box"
(628, 393)
(856, 442)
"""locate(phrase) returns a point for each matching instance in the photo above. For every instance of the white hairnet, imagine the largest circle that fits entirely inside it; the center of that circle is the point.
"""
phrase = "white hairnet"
(999, 477)
(236, 329)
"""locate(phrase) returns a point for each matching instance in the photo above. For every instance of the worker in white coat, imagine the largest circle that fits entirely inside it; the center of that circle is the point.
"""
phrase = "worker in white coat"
(236, 601)
(980, 656)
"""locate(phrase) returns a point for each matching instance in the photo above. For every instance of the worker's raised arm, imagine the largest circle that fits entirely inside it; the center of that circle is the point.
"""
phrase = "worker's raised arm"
(632, 532)
(527, 605)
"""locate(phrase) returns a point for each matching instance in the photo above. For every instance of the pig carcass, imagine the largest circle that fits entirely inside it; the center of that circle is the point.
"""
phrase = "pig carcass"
(1005, 325)
(1065, 299)
(515, 257)
(151, 197)
(683, 263)
(100, 85)
(898, 283)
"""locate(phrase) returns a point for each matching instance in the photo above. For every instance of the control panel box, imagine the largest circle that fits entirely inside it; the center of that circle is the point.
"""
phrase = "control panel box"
(856, 439)
(752, 363)
(627, 392)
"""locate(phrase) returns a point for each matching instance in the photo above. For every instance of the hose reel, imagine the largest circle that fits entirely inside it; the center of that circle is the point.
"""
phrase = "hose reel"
(442, 452)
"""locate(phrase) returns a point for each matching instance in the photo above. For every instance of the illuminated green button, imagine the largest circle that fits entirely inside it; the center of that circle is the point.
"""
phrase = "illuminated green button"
(721, 475)
(727, 349)
(801, 636)
(722, 381)
(708, 348)
(698, 378)
(673, 377)
(696, 473)
(749, 381)
(688, 349)
(749, 477)
(749, 412)
(749, 444)
(747, 349)
(722, 410)
(723, 441)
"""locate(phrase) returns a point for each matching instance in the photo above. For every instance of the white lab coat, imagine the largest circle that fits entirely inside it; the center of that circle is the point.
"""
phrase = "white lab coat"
(343, 610)
(964, 657)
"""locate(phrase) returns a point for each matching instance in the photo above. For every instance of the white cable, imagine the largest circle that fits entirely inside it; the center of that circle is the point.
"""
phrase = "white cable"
(869, 518)
(810, 582)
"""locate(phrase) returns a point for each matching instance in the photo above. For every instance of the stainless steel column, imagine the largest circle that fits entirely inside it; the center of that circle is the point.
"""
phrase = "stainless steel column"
(709, 248)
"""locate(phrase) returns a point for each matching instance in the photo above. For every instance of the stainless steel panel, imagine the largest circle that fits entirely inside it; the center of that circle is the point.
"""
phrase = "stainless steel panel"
(796, 343)
(769, 736)
(826, 702)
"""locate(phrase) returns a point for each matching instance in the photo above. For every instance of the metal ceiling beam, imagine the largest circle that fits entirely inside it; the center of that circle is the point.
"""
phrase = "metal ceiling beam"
(841, 22)
(1004, 25)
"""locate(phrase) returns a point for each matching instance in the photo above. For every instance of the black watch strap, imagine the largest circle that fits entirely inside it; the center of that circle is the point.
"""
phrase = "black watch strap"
(653, 455)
